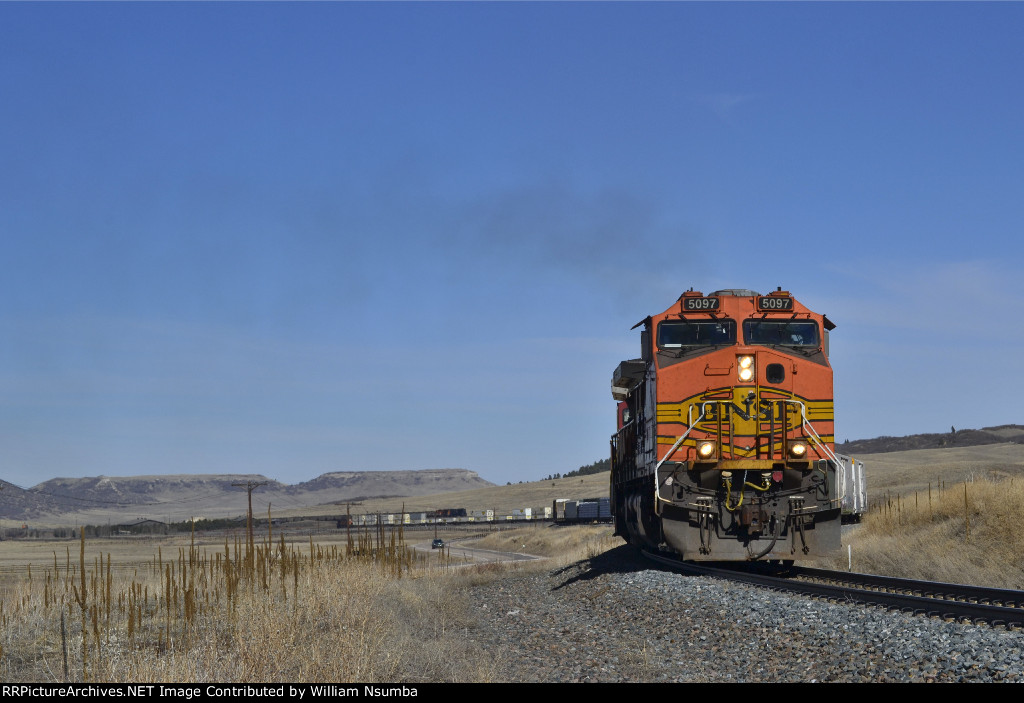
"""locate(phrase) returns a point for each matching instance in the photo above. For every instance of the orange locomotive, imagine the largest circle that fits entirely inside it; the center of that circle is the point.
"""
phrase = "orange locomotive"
(725, 446)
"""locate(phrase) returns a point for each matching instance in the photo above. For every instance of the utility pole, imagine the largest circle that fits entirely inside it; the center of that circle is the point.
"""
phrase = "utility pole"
(348, 522)
(250, 546)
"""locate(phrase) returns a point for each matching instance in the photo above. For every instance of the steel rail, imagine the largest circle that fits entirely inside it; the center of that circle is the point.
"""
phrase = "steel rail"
(951, 601)
(932, 589)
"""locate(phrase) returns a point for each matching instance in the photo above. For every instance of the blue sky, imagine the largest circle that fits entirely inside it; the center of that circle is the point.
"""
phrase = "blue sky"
(292, 238)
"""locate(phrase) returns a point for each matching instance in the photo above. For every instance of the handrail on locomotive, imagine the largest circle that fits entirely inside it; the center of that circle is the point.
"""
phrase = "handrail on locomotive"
(806, 425)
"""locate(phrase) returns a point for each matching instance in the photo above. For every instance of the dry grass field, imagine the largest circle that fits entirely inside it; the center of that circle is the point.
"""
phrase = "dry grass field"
(943, 515)
(209, 607)
(964, 533)
(502, 499)
(207, 610)
(910, 471)
(578, 541)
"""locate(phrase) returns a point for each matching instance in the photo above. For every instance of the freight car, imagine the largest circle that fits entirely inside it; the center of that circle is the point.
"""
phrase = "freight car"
(725, 441)
(565, 510)
(444, 516)
(447, 513)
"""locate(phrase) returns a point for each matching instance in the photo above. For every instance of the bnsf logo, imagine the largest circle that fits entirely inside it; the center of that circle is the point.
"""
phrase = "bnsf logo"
(775, 303)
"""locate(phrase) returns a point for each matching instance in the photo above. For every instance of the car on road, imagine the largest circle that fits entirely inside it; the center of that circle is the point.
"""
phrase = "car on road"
(437, 544)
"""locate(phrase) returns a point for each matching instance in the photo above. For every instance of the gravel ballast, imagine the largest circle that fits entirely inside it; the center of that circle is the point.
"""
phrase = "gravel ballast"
(617, 618)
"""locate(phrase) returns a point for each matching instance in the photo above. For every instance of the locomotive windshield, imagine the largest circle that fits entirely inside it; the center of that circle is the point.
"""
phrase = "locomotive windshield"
(677, 334)
(787, 333)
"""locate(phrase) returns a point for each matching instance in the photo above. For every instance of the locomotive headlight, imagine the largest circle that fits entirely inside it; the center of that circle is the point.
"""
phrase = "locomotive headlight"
(798, 450)
(706, 450)
(746, 368)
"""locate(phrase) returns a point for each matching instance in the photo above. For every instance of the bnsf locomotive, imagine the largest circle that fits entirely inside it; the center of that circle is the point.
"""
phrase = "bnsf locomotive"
(725, 442)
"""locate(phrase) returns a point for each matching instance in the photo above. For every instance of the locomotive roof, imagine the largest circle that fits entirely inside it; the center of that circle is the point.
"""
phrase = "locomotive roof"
(741, 292)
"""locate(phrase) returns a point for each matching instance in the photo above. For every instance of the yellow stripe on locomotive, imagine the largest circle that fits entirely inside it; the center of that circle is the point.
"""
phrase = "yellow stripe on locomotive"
(751, 422)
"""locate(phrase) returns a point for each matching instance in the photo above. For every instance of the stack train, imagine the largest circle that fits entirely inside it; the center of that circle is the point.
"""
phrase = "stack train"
(725, 448)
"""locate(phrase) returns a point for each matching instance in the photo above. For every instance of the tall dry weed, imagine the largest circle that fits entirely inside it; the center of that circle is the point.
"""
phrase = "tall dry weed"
(251, 613)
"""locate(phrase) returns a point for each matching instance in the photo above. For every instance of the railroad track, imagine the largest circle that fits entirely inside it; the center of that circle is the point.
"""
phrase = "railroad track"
(995, 606)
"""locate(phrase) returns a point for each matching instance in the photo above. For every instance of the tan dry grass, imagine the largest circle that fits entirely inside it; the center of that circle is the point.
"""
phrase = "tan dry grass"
(290, 613)
(965, 533)
(348, 625)
(502, 499)
(566, 542)
(909, 471)
(302, 612)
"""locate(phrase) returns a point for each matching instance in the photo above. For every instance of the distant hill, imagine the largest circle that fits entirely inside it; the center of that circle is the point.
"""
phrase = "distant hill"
(178, 497)
(958, 438)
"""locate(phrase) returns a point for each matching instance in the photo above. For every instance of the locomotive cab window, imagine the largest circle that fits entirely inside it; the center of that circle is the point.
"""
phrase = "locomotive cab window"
(680, 334)
(786, 333)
